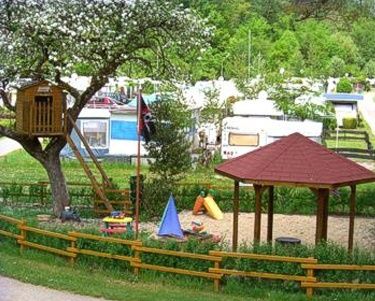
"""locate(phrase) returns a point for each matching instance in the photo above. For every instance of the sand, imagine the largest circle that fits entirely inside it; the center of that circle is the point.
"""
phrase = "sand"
(298, 226)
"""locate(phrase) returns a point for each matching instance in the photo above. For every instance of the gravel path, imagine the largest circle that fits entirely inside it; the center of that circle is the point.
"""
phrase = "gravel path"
(14, 290)
(7, 146)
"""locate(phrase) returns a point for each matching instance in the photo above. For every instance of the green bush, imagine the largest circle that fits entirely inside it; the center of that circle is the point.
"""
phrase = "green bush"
(344, 86)
(349, 123)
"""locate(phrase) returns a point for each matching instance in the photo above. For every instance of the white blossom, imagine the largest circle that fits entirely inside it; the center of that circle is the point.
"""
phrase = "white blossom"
(93, 32)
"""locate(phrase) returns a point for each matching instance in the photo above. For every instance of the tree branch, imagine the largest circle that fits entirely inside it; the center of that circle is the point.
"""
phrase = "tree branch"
(6, 101)
(72, 91)
(30, 144)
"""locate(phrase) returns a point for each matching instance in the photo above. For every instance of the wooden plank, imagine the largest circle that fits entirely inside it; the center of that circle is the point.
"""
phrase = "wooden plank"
(10, 219)
(112, 202)
(338, 285)
(351, 216)
(178, 253)
(236, 205)
(348, 267)
(355, 150)
(47, 233)
(270, 214)
(10, 234)
(45, 248)
(100, 254)
(264, 257)
(346, 132)
(106, 239)
(258, 213)
(175, 270)
(319, 217)
(262, 275)
(325, 215)
(88, 172)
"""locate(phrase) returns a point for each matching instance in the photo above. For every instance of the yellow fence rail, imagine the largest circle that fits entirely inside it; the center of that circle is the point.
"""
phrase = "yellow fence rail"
(307, 278)
(335, 267)
(308, 266)
(215, 259)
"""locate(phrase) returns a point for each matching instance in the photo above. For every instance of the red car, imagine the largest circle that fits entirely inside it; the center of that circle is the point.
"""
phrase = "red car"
(102, 102)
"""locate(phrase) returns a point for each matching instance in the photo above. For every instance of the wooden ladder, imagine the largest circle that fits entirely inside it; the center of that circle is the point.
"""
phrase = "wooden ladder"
(99, 191)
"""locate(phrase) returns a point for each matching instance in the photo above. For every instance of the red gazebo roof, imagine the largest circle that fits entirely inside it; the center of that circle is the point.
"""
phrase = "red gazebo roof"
(296, 161)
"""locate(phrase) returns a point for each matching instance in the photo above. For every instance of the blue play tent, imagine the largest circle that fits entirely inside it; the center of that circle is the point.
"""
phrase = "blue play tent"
(170, 223)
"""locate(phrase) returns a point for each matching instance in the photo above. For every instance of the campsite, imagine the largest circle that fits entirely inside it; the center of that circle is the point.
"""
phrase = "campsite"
(187, 150)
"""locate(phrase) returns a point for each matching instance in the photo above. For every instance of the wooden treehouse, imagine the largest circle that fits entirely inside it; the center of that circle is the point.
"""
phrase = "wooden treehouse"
(41, 109)
(41, 112)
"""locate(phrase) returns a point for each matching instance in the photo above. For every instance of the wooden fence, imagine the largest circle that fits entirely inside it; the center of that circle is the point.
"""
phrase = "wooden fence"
(119, 198)
(351, 135)
(39, 191)
(334, 267)
(307, 279)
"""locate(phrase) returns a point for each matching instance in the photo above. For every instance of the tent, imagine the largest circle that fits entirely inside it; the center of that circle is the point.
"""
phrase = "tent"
(170, 223)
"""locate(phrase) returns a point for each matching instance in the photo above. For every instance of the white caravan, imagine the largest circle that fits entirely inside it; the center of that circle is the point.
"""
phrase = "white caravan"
(243, 134)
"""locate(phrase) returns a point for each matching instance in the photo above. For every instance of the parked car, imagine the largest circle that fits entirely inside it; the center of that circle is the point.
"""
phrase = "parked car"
(102, 103)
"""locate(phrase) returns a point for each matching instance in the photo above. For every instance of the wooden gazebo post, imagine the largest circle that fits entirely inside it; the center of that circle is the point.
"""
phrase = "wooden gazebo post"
(270, 214)
(258, 212)
(322, 215)
(236, 205)
(353, 189)
(325, 213)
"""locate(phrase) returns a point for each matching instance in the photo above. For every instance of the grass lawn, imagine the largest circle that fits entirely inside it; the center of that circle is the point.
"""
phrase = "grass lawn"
(54, 272)
(40, 268)
(19, 166)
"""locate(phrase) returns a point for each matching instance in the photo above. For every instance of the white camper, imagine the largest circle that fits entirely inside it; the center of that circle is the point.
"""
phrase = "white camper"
(243, 134)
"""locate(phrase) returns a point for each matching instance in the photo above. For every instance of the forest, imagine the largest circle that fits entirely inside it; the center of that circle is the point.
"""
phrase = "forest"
(306, 38)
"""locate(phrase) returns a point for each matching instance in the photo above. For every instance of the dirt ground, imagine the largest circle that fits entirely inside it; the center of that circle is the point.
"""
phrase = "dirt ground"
(298, 226)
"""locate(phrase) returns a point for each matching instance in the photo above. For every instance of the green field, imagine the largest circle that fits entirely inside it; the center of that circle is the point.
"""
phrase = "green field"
(19, 166)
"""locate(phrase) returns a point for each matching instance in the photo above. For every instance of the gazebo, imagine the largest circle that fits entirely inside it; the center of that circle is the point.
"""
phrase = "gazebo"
(294, 161)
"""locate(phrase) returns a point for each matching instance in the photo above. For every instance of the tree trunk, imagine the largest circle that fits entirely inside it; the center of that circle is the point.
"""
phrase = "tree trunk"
(57, 180)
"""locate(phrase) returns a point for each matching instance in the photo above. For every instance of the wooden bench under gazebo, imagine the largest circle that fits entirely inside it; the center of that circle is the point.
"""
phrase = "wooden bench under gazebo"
(294, 161)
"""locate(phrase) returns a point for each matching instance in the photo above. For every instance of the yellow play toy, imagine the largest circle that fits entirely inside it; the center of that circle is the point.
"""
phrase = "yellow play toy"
(212, 208)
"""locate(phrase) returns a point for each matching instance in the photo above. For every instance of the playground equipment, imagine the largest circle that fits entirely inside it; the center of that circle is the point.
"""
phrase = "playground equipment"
(212, 208)
(207, 204)
(41, 112)
(170, 223)
(198, 206)
(117, 223)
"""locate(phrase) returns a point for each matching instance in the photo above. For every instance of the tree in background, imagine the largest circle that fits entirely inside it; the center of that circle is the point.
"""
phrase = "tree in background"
(369, 69)
(344, 86)
(336, 67)
(364, 37)
(169, 149)
(170, 145)
(213, 110)
(46, 39)
(286, 52)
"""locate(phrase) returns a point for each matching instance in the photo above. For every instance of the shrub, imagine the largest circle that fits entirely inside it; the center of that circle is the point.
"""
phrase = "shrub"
(349, 123)
(344, 86)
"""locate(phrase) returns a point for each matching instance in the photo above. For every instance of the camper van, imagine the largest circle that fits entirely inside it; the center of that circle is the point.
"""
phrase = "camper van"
(244, 134)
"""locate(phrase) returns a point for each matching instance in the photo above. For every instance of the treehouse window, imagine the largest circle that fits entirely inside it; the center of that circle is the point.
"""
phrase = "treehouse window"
(243, 139)
(95, 133)
(43, 113)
